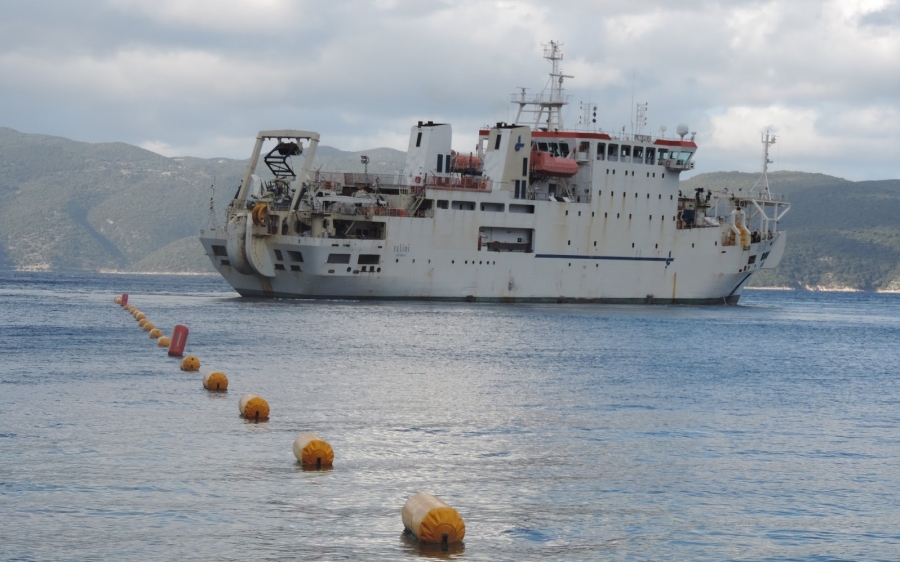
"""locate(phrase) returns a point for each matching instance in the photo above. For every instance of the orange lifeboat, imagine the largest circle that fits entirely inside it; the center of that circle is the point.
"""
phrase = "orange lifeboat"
(546, 164)
(463, 163)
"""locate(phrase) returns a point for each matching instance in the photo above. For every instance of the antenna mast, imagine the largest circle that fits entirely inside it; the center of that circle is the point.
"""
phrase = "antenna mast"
(767, 141)
(544, 111)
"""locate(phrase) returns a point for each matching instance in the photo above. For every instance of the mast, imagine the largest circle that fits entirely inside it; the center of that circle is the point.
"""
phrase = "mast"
(544, 111)
(763, 182)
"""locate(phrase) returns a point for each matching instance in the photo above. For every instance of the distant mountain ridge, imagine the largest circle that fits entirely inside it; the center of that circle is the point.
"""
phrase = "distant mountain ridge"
(114, 206)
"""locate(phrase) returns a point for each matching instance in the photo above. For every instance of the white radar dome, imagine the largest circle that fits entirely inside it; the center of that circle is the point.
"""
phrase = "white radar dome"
(682, 130)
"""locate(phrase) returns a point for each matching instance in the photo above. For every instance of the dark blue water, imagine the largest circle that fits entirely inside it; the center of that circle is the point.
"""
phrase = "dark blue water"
(764, 431)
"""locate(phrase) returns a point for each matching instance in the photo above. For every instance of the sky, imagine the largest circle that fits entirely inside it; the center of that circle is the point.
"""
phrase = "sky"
(202, 77)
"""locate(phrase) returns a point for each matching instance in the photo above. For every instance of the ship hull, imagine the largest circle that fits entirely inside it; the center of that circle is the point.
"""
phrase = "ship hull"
(422, 270)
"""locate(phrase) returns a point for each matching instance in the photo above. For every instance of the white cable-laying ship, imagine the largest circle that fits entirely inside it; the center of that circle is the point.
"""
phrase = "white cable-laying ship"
(537, 212)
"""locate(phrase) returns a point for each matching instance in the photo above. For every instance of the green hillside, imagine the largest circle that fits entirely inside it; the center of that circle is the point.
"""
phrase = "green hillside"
(113, 206)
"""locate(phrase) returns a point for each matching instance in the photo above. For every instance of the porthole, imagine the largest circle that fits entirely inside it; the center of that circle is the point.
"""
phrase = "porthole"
(379, 270)
(414, 260)
(452, 261)
(348, 269)
(397, 260)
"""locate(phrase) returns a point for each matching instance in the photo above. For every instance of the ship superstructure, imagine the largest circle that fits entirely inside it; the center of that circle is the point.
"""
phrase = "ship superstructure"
(535, 213)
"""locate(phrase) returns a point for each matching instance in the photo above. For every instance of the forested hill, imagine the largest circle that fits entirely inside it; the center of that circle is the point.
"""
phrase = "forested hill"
(113, 206)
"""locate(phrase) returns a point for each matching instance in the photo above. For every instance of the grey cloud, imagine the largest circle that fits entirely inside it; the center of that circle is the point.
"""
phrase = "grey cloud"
(141, 71)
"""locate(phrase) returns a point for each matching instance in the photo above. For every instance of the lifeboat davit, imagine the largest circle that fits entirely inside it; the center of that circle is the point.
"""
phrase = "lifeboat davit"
(546, 164)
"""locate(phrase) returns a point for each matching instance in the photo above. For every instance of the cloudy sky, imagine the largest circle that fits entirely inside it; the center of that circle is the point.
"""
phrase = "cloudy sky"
(201, 77)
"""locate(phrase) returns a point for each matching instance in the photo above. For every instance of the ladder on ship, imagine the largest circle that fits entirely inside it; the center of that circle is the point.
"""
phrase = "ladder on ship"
(416, 203)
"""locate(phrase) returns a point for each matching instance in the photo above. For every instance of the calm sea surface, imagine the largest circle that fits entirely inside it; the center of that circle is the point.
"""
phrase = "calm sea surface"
(769, 430)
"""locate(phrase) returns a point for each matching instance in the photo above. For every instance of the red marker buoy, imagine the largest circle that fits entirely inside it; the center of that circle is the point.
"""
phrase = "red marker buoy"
(124, 299)
(179, 339)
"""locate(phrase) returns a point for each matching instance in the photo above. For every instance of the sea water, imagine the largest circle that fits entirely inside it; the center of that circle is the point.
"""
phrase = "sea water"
(767, 430)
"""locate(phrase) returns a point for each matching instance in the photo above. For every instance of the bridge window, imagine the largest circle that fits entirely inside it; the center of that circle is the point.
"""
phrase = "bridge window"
(601, 151)
(663, 154)
(613, 152)
(638, 155)
(542, 146)
(625, 154)
(443, 204)
(563, 149)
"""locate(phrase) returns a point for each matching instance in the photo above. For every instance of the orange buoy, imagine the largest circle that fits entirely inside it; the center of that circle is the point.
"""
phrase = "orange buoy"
(148, 326)
(142, 322)
(215, 380)
(179, 339)
(432, 521)
(163, 341)
(155, 333)
(312, 451)
(190, 363)
(253, 407)
(140, 316)
(117, 300)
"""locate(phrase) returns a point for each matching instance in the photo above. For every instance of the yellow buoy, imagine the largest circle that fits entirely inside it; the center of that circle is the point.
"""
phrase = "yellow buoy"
(253, 407)
(163, 341)
(215, 380)
(312, 451)
(148, 326)
(130, 308)
(190, 363)
(142, 322)
(155, 333)
(140, 316)
(431, 520)
(117, 300)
